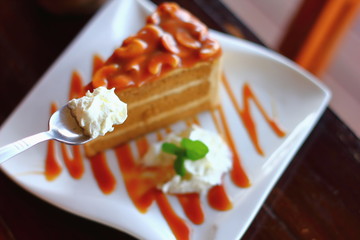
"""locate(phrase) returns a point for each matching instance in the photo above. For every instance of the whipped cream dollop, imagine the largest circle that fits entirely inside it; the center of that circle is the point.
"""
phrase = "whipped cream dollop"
(98, 111)
(201, 174)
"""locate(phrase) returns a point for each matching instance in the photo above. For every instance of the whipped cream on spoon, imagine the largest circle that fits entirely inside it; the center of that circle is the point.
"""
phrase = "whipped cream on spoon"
(102, 109)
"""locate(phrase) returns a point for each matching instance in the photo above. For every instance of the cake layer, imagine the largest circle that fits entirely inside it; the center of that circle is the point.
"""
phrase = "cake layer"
(179, 77)
(168, 102)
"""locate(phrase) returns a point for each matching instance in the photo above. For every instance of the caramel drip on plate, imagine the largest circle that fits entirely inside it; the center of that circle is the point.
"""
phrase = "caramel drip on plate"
(52, 165)
(178, 226)
(142, 145)
(237, 173)
(246, 116)
(102, 173)
(139, 185)
(75, 165)
(192, 207)
(77, 88)
(218, 199)
(98, 62)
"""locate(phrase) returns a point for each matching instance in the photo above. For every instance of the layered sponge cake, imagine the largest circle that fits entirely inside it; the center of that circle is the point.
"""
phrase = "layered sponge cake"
(168, 71)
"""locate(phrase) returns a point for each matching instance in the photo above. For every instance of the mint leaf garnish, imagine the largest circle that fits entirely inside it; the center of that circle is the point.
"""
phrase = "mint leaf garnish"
(179, 166)
(194, 149)
(189, 149)
(172, 149)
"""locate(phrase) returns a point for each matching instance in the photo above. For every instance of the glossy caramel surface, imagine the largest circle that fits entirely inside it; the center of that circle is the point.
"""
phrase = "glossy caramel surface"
(172, 38)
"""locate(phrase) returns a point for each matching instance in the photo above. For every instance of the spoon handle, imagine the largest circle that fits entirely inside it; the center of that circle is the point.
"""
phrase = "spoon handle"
(14, 148)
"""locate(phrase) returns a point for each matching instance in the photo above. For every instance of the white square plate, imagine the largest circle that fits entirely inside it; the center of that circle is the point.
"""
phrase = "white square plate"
(298, 98)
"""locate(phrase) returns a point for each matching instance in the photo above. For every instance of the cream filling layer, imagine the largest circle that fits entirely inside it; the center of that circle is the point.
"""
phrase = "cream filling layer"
(167, 93)
(163, 115)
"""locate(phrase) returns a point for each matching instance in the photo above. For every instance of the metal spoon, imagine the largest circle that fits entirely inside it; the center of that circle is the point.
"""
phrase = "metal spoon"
(63, 127)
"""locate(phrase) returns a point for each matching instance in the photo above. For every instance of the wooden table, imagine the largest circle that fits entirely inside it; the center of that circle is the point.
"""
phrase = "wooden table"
(317, 197)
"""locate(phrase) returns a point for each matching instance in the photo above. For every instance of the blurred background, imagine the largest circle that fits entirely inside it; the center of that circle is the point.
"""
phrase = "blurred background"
(275, 20)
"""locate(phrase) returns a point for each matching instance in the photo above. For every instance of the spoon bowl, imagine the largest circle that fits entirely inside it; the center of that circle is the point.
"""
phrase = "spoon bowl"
(63, 127)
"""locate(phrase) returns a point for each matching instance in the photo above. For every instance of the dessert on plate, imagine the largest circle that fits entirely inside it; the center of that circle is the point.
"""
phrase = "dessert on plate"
(168, 71)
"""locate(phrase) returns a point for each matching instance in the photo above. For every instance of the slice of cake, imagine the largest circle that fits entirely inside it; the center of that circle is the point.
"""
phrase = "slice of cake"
(168, 71)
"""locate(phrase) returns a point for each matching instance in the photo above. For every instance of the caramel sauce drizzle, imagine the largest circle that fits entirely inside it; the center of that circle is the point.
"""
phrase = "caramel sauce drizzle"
(102, 173)
(178, 226)
(142, 145)
(192, 207)
(98, 62)
(52, 164)
(77, 88)
(246, 116)
(75, 165)
(237, 173)
(140, 186)
(218, 199)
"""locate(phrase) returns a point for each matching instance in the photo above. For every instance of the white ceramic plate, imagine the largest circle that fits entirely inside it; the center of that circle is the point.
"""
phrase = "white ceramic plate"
(298, 100)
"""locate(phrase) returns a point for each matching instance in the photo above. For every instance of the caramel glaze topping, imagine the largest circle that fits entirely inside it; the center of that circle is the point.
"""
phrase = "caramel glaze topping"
(172, 38)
